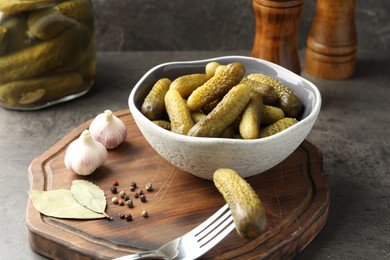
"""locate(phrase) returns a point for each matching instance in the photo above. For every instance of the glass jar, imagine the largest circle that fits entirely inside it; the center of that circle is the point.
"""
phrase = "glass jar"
(47, 52)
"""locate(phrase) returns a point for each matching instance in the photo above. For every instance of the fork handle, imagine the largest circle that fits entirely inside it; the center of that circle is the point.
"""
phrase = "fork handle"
(143, 255)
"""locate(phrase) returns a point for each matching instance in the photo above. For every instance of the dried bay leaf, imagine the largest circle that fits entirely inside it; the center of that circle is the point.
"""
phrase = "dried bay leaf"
(61, 204)
(90, 196)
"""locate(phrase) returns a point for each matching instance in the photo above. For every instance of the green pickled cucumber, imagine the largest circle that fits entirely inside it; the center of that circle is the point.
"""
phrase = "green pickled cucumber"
(278, 127)
(247, 210)
(40, 90)
(163, 123)
(44, 57)
(17, 37)
(249, 125)
(287, 100)
(12, 7)
(153, 106)
(224, 114)
(211, 67)
(267, 92)
(3, 39)
(178, 112)
(49, 25)
(188, 83)
(271, 114)
(79, 10)
(217, 86)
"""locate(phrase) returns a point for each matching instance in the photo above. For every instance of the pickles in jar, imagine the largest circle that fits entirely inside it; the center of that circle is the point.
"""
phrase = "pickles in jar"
(45, 40)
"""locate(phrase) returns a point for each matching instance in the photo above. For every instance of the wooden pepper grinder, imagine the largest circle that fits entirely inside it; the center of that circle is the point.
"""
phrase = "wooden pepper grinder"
(332, 41)
(276, 32)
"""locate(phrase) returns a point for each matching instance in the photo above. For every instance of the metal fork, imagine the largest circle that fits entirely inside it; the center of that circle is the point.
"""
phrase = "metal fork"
(196, 242)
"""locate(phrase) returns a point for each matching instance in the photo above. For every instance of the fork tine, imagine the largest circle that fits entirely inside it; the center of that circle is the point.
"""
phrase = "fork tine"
(209, 221)
(216, 239)
(214, 226)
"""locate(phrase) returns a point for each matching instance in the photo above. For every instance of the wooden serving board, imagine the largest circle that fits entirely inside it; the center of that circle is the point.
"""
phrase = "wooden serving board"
(294, 193)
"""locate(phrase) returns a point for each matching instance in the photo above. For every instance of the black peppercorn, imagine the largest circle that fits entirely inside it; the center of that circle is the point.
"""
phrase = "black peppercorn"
(128, 217)
(136, 195)
(129, 203)
(114, 189)
(143, 198)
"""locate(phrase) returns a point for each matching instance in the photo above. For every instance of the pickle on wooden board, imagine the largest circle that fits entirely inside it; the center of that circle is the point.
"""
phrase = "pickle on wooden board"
(224, 114)
(153, 106)
(34, 61)
(271, 114)
(178, 112)
(247, 210)
(278, 127)
(40, 90)
(267, 92)
(50, 25)
(188, 83)
(249, 125)
(12, 7)
(217, 86)
(287, 100)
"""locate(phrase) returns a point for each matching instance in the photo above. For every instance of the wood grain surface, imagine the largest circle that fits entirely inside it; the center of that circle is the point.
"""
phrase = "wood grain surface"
(332, 41)
(294, 193)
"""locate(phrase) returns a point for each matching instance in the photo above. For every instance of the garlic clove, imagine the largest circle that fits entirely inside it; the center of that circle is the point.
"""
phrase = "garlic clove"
(84, 155)
(108, 129)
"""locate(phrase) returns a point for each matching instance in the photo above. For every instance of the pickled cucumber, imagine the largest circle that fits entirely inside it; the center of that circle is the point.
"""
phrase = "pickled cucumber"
(250, 119)
(278, 127)
(17, 37)
(271, 114)
(34, 61)
(287, 100)
(224, 114)
(178, 112)
(163, 123)
(267, 92)
(153, 106)
(79, 10)
(246, 207)
(3, 39)
(40, 90)
(12, 7)
(188, 83)
(217, 86)
(211, 67)
(50, 25)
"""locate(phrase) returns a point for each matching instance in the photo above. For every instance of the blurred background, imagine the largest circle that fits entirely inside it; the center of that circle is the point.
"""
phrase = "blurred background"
(138, 25)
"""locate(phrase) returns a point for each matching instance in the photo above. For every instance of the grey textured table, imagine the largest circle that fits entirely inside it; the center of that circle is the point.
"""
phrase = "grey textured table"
(352, 133)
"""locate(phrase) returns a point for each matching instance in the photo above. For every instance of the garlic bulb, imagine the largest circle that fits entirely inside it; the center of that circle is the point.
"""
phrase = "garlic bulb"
(84, 155)
(108, 129)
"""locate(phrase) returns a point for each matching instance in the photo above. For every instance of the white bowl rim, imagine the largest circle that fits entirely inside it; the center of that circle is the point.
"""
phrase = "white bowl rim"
(206, 140)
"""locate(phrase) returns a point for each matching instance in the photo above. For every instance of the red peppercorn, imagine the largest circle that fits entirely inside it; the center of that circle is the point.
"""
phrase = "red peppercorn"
(115, 183)
(121, 202)
(122, 215)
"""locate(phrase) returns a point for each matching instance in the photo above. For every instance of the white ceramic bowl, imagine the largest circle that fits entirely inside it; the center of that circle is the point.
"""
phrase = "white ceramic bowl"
(201, 156)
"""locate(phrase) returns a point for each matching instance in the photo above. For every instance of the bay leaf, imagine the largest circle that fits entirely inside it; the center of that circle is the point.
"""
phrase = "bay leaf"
(61, 204)
(89, 195)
